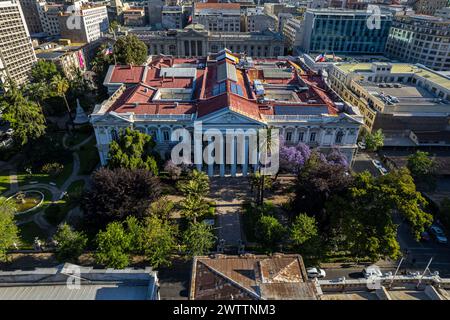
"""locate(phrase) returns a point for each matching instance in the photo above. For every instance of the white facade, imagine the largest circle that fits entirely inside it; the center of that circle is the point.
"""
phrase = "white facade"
(49, 16)
(221, 19)
(16, 50)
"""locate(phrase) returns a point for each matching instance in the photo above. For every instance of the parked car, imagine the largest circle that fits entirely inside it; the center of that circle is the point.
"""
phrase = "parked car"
(438, 234)
(316, 273)
(425, 236)
(372, 270)
(377, 163)
(362, 145)
(383, 170)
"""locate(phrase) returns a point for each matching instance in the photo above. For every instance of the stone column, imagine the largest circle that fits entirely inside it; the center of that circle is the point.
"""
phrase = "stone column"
(234, 158)
(222, 165)
(245, 164)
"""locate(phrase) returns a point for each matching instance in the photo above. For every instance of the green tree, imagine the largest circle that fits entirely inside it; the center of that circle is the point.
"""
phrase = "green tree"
(161, 208)
(422, 168)
(194, 207)
(70, 243)
(44, 71)
(60, 85)
(364, 216)
(269, 231)
(113, 246)
(198, 239)
(159, 240)
(130, 50)
(132, 150)
(24, 116)
(303, 229)
(9, 234)
(197, 185)
(100, 65)
(374, 140)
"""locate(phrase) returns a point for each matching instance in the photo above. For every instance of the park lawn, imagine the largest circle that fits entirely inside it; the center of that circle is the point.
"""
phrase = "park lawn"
(58, 211)
(24, 178)
(28, 231)
(89, 158)
(4, 181)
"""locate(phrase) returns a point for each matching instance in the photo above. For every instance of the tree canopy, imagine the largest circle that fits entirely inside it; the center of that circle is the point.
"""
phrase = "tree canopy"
(422, 168)
(25, 117)
(132, 150)
(269, 231)
(130, 50)
(70, 243)
(364, 215)
(198, 239)
(118, 193)
(374, 140)
(113, 246)
(44, 71)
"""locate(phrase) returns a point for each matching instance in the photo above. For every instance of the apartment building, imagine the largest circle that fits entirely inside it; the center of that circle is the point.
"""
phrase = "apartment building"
(410, 103)
(49, 16)
(421, 39)
(257, 20)
(221, 17)
(31, 14)
(16, 50)
(292, 32)
(86, 24)
(155, 8)
(345, 31)
(173, 17)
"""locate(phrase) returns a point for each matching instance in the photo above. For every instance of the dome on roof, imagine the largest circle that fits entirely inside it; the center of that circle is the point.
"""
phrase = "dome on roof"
(195, 26)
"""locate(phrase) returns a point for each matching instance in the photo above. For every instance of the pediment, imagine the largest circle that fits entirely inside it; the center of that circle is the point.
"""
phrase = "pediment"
(228, 117)
(110, 118)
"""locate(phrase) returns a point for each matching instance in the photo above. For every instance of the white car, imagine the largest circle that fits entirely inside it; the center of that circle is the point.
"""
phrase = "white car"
(362, 145)
(438, 234)
(383, 170)
(316, 273)
(377, 163)
(372, 270)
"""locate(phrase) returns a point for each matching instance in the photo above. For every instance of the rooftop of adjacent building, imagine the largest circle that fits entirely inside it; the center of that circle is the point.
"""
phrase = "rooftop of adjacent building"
(95, 284)
(277, 277)
(399, 68)
(216, 6)
(254, 87)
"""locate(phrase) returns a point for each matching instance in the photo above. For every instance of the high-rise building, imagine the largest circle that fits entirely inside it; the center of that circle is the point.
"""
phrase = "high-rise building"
(345, 31)
(173, 17)
(16, 50)
(31, 13)
(421, 39)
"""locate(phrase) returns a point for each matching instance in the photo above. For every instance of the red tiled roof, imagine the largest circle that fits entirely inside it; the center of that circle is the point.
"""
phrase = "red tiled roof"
(144, 81)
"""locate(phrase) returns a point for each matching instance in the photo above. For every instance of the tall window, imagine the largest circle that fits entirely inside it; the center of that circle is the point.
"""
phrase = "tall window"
(312, 137)
(166, 135)
(339, 137)
(300, 136)
(288, 136)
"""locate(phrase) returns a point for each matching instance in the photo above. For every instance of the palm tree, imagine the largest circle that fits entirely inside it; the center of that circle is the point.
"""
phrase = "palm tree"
(60, 85)
(267, 140)
(197, 185)
(194, 207)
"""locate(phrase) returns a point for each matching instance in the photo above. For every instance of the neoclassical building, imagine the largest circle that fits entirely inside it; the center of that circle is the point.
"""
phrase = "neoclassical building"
(224, 91)
(196, 41)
